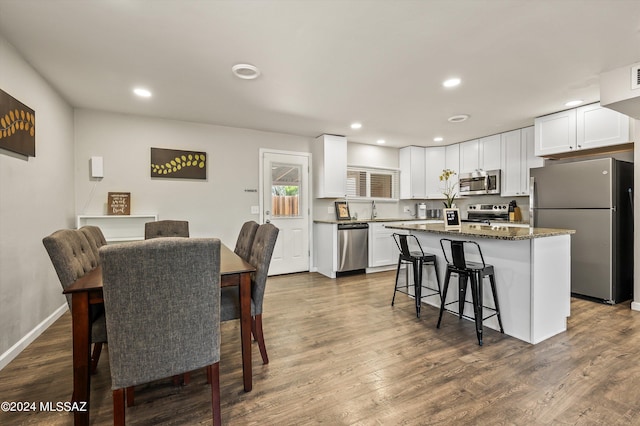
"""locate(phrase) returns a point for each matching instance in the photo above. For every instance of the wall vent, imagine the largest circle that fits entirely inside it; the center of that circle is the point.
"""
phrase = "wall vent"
(635, 77)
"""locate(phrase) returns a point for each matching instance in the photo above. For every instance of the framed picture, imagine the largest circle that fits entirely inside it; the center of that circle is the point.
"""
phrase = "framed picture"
(119, 203)
(342, 210)
(451, 218)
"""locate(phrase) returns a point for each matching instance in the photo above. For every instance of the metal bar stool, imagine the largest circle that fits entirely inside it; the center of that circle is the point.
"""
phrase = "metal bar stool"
(418, 259)
(473, 272)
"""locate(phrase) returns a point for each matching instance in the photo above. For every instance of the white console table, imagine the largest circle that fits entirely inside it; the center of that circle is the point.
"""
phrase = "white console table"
(118, 228)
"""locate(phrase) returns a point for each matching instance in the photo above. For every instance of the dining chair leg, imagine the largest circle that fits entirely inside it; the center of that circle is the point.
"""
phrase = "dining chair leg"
(213, 371)
(256, 328)
(130, 396)
(118, 407)
(95, 357)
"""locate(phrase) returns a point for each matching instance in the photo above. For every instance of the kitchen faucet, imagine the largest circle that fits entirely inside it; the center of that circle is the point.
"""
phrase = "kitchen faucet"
(374, 213)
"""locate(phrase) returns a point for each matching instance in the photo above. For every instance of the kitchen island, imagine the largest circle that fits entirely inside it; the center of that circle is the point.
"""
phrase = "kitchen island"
(532, 271)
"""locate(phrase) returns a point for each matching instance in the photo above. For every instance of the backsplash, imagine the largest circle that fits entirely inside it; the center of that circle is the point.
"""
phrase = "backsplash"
(396, 209)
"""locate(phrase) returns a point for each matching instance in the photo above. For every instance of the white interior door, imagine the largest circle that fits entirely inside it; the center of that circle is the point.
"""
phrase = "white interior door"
(285, 203)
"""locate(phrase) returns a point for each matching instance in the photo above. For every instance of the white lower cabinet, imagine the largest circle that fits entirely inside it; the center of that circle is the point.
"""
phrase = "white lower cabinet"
(382, 248)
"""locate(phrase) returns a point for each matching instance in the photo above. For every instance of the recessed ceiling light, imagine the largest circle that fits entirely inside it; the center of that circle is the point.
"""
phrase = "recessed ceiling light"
(381, 141)
(438, 139)
(458, 118)
(574, 103)
(245, 71)
(143, 93)
(452, 82)
(356, 125)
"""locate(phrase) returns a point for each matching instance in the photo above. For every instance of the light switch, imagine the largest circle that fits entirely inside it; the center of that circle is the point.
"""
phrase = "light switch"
(255, 209)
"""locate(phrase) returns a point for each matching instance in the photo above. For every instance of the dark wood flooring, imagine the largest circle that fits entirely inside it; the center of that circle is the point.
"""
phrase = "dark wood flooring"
(341, 355)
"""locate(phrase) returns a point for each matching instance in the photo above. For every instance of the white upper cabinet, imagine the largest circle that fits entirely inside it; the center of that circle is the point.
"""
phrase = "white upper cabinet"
(518, 157)
(330, 166)
(480, 154)
(436, 161)
(555, 133)
(469, 152)
(590, 126)
(597, 126)
(412, 172)
(489, 155)
(453, 161)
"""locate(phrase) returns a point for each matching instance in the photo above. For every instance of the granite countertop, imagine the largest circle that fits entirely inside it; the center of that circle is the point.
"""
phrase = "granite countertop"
(495, 232)
(388, 219)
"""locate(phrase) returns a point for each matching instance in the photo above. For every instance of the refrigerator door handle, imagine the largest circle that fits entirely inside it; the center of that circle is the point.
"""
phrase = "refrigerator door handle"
(532, 200)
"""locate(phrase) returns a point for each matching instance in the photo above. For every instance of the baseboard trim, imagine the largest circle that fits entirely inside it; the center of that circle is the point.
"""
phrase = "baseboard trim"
(635, 306)
(15, 350)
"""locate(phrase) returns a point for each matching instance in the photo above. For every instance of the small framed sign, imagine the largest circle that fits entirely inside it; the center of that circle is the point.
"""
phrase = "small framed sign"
(451, 218)
(119, 203)
(342, 210)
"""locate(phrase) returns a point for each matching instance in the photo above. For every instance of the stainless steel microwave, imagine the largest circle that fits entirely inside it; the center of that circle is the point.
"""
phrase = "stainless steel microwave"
(480, 182)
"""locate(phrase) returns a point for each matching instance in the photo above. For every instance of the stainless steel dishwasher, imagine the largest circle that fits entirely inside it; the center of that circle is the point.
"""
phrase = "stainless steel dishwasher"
(353, 246)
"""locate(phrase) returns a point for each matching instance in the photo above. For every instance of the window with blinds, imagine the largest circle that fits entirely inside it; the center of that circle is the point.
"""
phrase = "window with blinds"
(365, 182)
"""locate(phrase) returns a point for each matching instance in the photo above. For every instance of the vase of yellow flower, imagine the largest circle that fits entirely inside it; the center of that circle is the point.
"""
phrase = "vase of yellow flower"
(448, 190)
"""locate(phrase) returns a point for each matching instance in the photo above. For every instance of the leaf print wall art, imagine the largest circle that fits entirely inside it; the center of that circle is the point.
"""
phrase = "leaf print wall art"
(17, 126)
(178, 164)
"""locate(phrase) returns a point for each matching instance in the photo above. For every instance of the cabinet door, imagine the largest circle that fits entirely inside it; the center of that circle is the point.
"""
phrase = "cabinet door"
(530, 160)
(435, 159)
(452, 162)
(489, 153)
(469, 155)
(330, 166)
(412, 172)
(382, 248)
(597, 126)
(555, 133)
(512, 163)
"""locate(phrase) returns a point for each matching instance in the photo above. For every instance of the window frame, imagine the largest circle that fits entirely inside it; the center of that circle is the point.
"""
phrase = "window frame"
(395, 182)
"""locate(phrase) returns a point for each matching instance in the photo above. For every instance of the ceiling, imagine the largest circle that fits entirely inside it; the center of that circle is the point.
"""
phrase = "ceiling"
(325, 64)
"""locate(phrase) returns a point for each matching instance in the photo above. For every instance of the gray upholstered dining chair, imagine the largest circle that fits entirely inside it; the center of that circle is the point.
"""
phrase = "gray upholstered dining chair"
(245, 239)
(147, 285)
(95, 237)
(260, 258)
(72, 257)
(166, 228)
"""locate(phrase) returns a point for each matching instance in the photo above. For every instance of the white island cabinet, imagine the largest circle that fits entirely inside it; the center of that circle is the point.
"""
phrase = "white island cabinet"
(532, 271)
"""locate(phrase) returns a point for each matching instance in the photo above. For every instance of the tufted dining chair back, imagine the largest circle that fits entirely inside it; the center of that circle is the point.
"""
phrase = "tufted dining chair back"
(260, 258)
(73, 256)
(166, 228)
(245, 239)
(95, 237)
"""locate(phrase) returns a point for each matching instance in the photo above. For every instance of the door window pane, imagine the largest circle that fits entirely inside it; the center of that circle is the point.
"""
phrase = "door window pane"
(285, 190)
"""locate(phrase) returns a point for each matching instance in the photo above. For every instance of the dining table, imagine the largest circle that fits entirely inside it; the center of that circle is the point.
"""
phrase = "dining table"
(87, 290)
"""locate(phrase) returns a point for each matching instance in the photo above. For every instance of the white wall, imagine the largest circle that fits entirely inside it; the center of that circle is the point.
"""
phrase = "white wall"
(216, 207)
(36, 198)
(635, 304)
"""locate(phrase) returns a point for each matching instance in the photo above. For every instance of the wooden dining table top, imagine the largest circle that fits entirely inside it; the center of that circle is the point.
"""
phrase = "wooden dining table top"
(230, 264)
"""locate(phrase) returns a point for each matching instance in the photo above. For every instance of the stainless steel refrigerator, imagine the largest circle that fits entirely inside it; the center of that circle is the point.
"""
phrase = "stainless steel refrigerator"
(594, 197)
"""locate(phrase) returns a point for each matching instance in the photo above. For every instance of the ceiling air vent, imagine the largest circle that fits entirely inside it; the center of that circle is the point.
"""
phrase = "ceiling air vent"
(635, 77)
